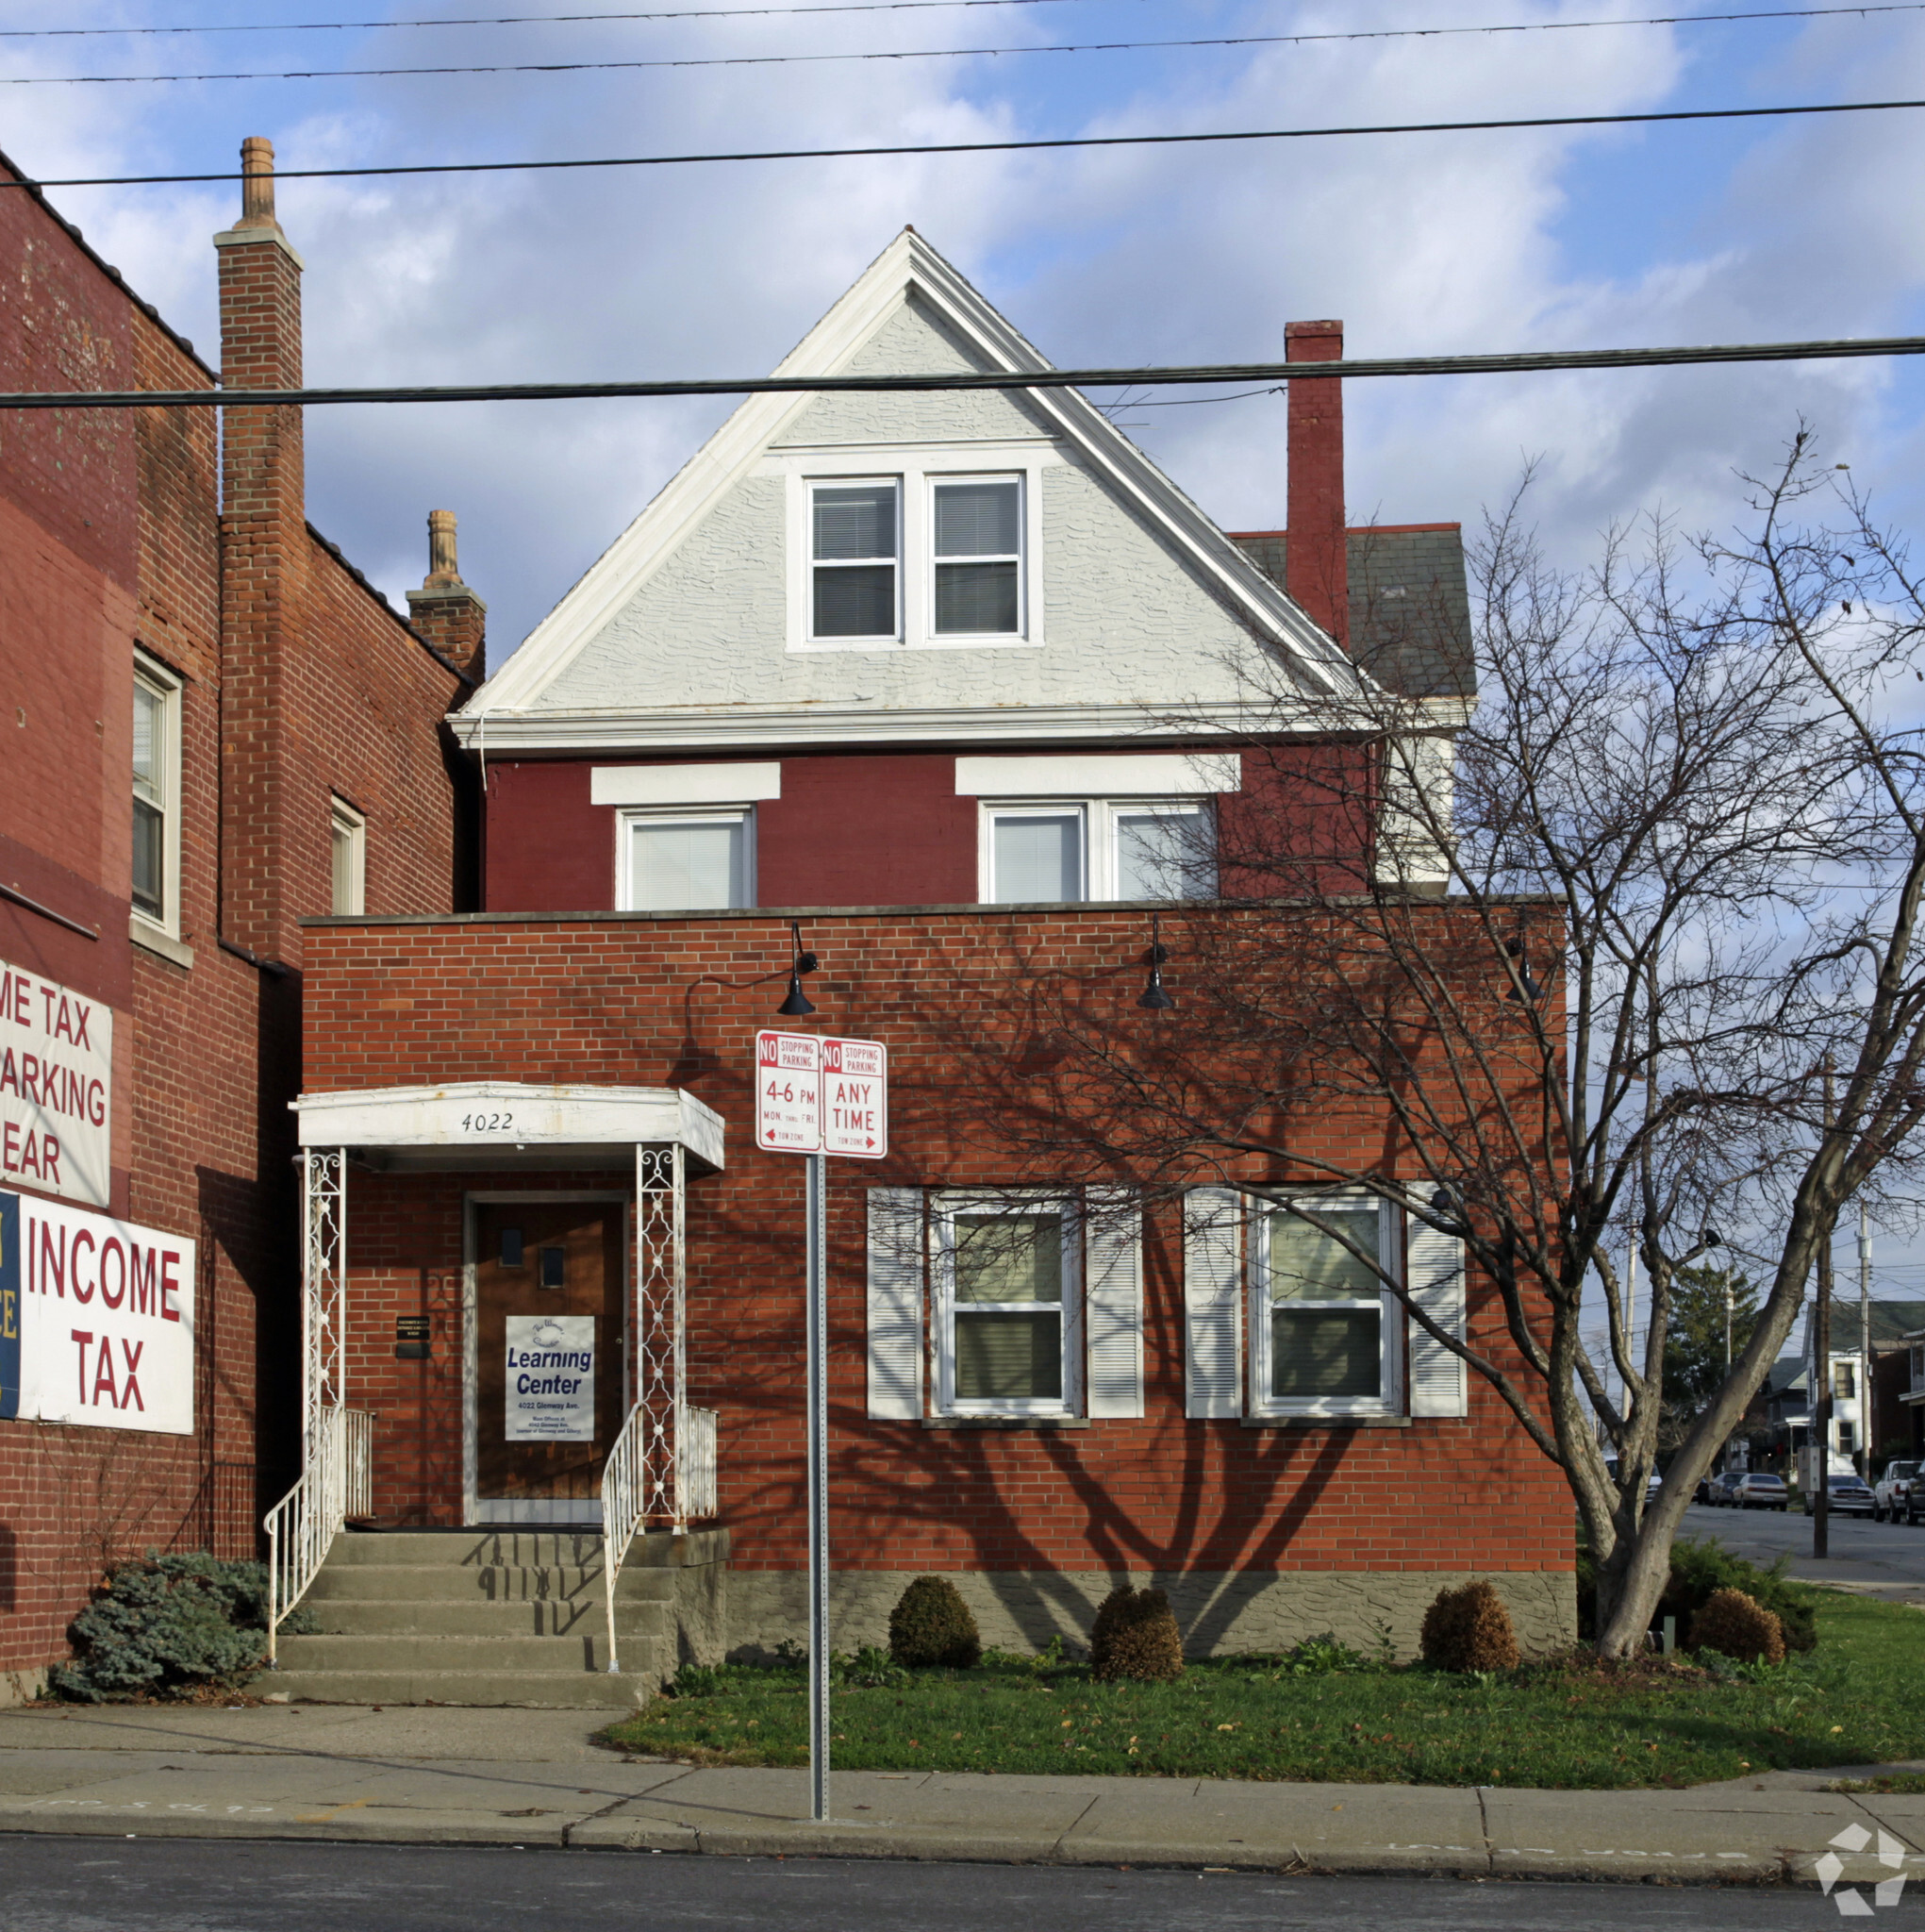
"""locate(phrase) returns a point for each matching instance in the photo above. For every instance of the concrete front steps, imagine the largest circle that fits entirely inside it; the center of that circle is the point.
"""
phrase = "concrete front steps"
(481, 1617)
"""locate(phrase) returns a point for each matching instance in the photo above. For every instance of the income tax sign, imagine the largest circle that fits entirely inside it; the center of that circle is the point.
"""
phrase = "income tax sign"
(818, 1095)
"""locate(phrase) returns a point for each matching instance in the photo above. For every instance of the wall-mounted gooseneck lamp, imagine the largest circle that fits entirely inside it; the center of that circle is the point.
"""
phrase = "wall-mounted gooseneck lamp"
(798, 1002)
(1526, 988)
(1153, 995)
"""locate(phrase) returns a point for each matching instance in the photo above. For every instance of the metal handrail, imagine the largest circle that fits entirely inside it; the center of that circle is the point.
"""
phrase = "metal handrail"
(336, 1482)
(624, 1499)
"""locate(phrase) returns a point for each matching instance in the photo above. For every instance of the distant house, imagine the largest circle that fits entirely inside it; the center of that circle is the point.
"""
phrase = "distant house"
(1885, 1424)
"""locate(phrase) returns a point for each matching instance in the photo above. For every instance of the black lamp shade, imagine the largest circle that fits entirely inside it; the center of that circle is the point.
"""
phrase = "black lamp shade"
(798, 1002)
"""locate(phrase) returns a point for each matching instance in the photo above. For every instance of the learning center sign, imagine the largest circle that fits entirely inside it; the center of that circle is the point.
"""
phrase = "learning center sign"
(56, 1087)
(96, 1319)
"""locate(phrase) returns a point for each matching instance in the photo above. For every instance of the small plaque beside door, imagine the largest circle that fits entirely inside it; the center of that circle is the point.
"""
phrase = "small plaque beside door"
(412, 1335)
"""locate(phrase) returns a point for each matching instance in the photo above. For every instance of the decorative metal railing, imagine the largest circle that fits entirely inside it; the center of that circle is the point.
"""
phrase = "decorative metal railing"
(336, 1482)
(624, 1502)
(660, 1345)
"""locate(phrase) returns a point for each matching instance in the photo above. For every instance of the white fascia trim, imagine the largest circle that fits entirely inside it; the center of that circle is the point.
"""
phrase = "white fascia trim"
(731, 784)
(708, 727)
(907, 264)
(1124, 774)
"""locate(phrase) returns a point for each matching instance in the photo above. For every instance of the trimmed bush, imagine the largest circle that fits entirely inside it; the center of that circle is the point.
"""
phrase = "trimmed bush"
(931, 1624)
(1468, 1630)
(1136, 1636)
(169, 1626)
(1740, 1627)
(1700, 1569)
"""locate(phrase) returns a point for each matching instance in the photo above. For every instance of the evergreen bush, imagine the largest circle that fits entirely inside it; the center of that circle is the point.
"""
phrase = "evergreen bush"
(1136, 1636)
(1700, 1568)
(168, 1626)
(1468, 1630)
(1740, 1627)
(931, 1624)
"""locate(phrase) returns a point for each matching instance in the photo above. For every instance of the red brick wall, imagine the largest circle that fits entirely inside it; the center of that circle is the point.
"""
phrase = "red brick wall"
(646, 1002)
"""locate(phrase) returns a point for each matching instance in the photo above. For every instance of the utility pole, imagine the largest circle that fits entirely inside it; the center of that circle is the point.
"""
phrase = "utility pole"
(1820, 1501)
(1864, 1342)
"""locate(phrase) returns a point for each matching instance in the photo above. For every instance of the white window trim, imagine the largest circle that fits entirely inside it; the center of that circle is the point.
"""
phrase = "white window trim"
(882, 639)
(1098, 819)
(944, 1208)
(742, 814)
(917, 470)
(167, 686)
(1390, 1400)
(931, 483)
(343, 816)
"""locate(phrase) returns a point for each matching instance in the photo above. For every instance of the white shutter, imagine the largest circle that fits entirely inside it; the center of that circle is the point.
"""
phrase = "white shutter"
(1436, 1263)
(895, 1304)
(1213, 1302)
(1113, 1301)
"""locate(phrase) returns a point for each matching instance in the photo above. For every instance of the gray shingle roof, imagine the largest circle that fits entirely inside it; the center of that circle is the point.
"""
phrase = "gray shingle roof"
(1410, 609)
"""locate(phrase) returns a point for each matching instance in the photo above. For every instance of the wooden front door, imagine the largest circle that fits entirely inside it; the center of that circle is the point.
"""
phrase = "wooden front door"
(548, 1350)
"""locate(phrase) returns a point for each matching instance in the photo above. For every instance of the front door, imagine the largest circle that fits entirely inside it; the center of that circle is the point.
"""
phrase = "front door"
(548, 1355)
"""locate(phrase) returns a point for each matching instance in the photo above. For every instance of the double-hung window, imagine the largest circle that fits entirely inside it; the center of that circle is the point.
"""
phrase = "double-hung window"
(978, 556)
(156, 884)
(1057, 852)
(1007, 1326)
(686, 861)
(855, 567)
(1322, 1334)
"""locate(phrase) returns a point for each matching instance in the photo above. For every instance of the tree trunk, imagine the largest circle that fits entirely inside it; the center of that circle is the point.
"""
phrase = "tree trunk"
(1629, 1586)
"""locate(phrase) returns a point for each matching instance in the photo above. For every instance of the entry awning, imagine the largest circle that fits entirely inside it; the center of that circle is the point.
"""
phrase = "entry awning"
(506, 1124)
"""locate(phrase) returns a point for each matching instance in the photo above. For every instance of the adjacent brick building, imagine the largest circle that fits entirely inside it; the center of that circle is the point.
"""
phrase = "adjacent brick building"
(214, 726)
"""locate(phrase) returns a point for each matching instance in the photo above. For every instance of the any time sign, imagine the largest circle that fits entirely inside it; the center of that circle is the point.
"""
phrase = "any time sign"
(821, 1095)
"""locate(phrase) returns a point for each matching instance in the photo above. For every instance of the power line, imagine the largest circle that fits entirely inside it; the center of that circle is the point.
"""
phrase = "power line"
(1502, 364)
(986, 147)
(1396, 33)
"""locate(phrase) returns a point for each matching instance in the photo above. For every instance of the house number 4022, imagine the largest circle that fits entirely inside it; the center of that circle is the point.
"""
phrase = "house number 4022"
(487, 1123)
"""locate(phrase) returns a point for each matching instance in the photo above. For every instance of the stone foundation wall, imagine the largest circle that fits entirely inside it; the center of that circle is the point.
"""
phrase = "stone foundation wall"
(1219, 1611)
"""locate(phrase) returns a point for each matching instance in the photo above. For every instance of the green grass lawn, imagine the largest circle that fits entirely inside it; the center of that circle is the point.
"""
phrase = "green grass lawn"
(1858, 1699)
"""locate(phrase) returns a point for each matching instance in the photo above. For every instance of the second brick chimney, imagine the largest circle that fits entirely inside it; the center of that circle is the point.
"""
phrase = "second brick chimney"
(1315, 563)
(264, 553)
(444, 610)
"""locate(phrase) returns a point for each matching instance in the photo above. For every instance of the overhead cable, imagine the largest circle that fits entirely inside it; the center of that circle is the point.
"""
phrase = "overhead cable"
(1506, 363)
(986, 147)
(1388, 33)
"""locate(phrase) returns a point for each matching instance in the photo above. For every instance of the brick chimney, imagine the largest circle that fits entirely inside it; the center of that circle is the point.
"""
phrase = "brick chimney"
(444, 610)
(264, 554)
(1316, 564)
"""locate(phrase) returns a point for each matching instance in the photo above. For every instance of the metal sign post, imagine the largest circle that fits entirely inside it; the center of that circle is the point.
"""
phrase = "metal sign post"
(817, 1096)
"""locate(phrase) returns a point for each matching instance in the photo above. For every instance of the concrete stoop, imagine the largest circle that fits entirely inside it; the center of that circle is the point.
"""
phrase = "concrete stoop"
(501, 1617)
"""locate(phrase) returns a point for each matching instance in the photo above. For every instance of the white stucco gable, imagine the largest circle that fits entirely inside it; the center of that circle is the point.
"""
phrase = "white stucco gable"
(692, 628)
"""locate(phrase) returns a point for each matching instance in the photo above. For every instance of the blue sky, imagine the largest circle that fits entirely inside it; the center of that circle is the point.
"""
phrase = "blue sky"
(1423, 245)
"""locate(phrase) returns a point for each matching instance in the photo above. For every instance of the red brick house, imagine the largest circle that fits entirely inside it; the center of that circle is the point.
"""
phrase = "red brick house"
(182, 785)
(955, 683)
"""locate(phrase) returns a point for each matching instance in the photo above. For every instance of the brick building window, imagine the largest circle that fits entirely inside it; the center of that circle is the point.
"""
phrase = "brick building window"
(853, 548)
(687, 861)
(348, 850)
(1322, 1321)
(156, 885)
(1061, 850)
(1006, 1306)
(978, 559)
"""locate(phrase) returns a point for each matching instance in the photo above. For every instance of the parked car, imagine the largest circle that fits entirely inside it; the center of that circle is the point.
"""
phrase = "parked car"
(1848, 1497)
(1892, 1492)
(1724, 1488)
(1756, 1490)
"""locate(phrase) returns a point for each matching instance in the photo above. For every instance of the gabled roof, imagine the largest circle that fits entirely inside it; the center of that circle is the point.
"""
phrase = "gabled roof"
(908, 270)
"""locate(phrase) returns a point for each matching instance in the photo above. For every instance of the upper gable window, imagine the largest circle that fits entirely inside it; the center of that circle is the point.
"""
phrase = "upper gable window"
(926, 556)
(855, 560)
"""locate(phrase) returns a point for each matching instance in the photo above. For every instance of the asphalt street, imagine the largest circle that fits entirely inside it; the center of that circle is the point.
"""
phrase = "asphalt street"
(1885, 1559)
(59, 1885)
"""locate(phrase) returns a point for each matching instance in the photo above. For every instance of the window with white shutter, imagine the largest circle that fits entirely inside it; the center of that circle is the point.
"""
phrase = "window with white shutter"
(1113, 1301)
(1213, 1302)
(1438, 1384)
(895, 1304)
(1324, 1334)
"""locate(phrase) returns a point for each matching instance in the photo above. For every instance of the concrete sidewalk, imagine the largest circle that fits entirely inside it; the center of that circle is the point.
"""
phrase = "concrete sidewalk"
(535, 1777)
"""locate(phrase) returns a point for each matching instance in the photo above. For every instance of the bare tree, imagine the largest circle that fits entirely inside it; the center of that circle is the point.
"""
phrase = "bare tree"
(1560, 972)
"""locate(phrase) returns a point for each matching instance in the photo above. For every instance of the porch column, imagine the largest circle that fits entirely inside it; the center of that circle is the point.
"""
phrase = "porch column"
(661, 1338)
(324, 1286)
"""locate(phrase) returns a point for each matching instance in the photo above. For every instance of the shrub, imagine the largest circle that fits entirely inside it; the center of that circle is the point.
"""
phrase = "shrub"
(1700, 1568)
(167, 1626)
(1468, 1630)
(1738, 1626)
(1136, 1636)
(931, 1624)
